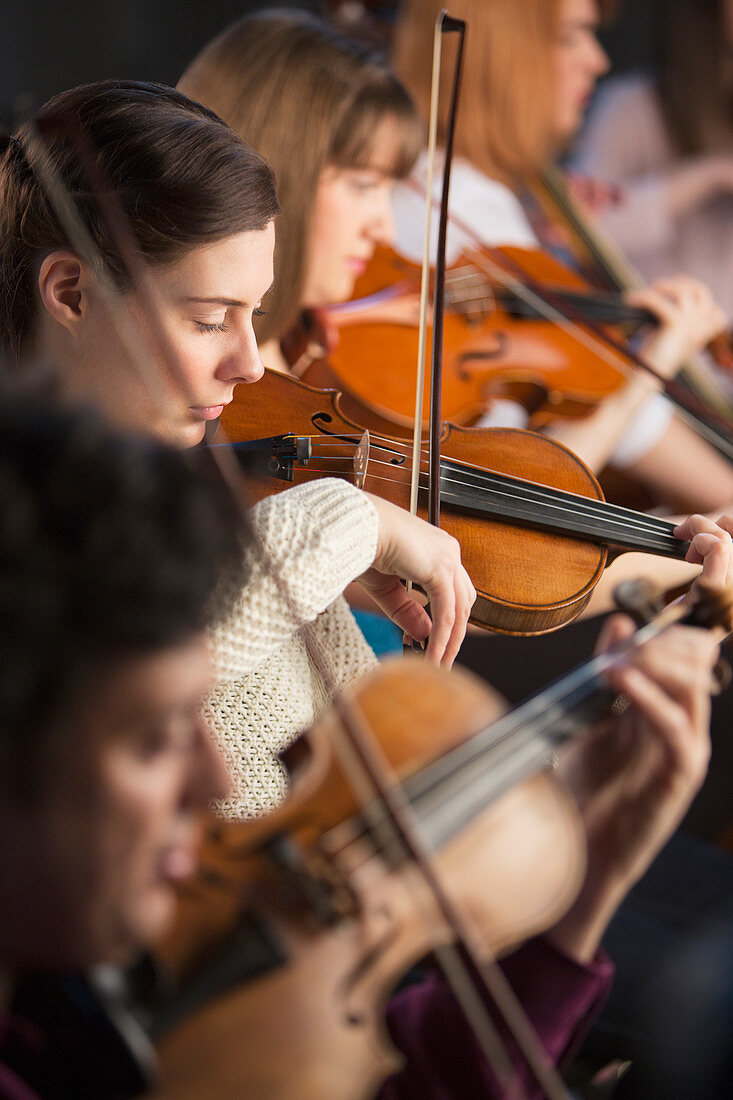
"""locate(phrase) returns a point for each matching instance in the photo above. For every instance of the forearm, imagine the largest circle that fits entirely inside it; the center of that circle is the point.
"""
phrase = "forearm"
(580, 932)
(595, 437)
(309, 543)
(559, 996)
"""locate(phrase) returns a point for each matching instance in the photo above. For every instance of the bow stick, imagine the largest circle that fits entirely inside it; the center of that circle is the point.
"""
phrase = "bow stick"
(492, 977)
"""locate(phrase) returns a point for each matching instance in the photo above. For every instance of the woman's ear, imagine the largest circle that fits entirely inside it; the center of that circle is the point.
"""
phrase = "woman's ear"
(63, 283)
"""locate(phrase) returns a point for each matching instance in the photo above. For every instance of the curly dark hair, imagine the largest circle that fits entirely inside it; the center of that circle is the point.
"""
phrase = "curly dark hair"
(111, 546)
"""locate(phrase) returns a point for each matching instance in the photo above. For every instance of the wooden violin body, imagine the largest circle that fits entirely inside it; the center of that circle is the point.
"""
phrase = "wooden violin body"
(492, 348)
(530, 576)
(340, 901)
(348, 919)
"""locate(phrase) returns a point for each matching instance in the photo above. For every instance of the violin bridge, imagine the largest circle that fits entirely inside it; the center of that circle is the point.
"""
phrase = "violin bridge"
(361, 461)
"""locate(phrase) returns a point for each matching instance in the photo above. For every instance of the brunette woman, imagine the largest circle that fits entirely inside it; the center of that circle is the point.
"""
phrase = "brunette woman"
(262, 75)
(529, 72)
(209, 266)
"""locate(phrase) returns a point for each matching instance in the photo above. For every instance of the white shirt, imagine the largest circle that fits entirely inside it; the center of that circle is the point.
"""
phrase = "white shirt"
(495, 216)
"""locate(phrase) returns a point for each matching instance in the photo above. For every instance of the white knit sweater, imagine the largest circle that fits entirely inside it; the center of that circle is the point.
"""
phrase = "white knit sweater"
(318, 537)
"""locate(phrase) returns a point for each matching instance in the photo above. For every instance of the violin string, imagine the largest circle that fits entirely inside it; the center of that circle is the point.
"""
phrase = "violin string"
(566, 520)
(516, 489)
(601, 507)
(535, 493)
(539, 495)
(454, 964)
(506, 740)
(595, 306)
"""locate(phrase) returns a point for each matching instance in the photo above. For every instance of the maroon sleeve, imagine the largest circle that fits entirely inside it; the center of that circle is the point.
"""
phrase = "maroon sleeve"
(17, 1036)
(443, 1060)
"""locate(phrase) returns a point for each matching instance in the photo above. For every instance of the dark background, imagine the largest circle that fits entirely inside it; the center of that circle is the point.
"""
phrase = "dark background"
(49, 45)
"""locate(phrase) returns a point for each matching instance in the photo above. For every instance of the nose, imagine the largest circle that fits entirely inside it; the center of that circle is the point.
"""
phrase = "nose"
(598, 61)
(382, 227)
(242, 362)
(208, 776)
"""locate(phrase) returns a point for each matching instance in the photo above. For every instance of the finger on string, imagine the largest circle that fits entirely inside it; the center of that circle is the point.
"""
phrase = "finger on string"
(716, 557)
(443, 608)
(616, 628)
(681, 664)
(679, 729)
(403, 609)
(726, 522)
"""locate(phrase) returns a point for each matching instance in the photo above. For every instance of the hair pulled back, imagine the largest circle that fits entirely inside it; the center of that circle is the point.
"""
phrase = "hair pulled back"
(180, 176)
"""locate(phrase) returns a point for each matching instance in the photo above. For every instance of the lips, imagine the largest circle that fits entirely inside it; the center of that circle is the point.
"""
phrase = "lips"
(207, 412)
(178, 863)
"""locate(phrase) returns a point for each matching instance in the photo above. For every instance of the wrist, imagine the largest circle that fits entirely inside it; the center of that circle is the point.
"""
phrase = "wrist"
(579, 933)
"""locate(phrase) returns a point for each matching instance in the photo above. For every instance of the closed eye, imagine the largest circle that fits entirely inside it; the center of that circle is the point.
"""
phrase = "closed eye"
(203, 326)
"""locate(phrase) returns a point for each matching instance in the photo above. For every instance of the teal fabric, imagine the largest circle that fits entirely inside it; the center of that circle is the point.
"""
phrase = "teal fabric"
(382, 634)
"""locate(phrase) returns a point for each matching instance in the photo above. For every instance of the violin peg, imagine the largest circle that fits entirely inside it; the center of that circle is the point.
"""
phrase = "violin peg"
(638, 598)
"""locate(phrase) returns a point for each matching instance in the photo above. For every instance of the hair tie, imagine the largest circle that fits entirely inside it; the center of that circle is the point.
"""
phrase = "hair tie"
(7, 141)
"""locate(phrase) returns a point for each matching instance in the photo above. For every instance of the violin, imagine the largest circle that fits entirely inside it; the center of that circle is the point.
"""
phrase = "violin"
(534, 529)
(328, 891)
(345, 914)
(607, 267)
(496, 343)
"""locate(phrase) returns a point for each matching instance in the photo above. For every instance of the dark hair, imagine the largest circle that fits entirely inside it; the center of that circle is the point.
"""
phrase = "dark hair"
(692, 76)
(180, 176)
(111, 546)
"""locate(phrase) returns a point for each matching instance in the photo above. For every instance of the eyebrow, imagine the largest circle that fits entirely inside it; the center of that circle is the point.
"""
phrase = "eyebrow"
(218, 301)
(215, 301)
(582, 24)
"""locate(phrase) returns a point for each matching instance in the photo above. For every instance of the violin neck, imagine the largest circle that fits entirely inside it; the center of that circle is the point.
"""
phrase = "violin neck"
(544, 508)
(605, 309)
(449, 793)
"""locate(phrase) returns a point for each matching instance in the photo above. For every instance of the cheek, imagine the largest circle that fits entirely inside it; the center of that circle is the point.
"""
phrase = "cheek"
(129, 838)
(337, 224)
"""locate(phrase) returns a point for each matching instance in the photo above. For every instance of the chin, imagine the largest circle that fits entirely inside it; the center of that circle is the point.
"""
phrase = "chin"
(189, 435)
(140, 928)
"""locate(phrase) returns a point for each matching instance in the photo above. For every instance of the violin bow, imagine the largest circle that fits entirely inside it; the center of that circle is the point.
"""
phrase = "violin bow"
(155, 360)
(552, 191)
(709, 423)
(491, 976)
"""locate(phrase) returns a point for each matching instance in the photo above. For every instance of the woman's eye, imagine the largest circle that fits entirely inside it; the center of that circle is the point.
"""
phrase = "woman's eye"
(364, 183)
(204, 326)
(259, 312)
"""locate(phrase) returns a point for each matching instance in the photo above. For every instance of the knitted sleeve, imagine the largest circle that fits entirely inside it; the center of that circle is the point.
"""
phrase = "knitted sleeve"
(312, 540)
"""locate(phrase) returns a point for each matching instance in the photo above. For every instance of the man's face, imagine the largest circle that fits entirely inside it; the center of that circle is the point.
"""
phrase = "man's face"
(99, 851)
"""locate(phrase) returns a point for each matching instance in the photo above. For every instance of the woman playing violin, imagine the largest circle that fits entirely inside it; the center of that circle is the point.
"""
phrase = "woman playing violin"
(529, 73)
(273, 657)
(670, 175)
(261, 75)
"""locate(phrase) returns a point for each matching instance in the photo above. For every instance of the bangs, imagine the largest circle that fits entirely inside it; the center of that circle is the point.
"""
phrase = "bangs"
(381, 129)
